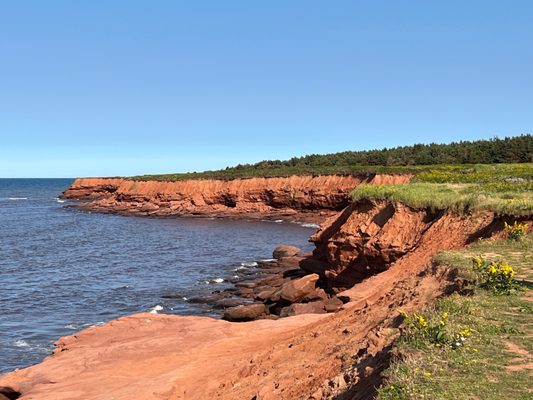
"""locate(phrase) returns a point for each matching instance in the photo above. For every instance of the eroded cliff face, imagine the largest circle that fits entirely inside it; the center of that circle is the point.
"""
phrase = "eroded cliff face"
(295, 196)
(369, 237)
(311, 356)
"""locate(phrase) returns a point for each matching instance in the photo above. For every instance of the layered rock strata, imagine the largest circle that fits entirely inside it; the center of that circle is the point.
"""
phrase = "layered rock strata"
(306, 198)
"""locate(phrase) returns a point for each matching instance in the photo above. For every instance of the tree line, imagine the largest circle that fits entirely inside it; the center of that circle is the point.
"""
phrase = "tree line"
(517, 149)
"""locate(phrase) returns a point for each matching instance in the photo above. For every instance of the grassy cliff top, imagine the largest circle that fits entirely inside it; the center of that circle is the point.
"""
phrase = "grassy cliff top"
(415, 159)
(502, 188)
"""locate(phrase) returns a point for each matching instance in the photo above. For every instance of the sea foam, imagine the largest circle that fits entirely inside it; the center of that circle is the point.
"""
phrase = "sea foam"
(156, 309)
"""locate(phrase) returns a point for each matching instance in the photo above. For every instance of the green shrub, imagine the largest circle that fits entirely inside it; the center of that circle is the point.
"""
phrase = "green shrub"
(516, 231)
(496, 276)
(433, 330)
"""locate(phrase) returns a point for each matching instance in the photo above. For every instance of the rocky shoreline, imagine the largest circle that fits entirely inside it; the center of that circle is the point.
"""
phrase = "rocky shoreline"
(279, 287)
(314, 325)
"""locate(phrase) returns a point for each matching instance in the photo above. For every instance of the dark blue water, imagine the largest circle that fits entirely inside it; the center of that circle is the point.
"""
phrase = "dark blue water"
(62, 269)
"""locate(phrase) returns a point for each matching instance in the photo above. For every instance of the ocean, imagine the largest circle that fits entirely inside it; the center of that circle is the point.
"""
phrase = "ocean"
(62, 269)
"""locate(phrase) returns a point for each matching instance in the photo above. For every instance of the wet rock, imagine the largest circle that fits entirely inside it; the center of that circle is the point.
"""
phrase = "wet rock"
(247, 312)
(172, 296)
(285, 251)
(315, 307)
(297, 289)
(227, 303)
(247, 285)
(210, 298)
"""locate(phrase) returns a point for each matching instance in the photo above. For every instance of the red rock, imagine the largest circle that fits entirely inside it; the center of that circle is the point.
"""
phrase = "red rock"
(285, 251)
(315, 307)
(289, 198)
(265, 294)
(247, 312)
(317, 294)
(298, 288)
(333, 304)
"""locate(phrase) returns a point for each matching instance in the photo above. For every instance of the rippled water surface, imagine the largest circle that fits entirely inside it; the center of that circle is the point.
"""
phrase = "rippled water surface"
(62, 269)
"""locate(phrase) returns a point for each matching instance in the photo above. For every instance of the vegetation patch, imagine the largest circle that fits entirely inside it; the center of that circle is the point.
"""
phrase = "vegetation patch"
(471, 347)
(501, 197)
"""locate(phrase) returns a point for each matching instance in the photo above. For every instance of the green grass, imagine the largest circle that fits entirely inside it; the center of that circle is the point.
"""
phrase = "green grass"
(519, 254)
(461, 173)
(488, 365)
(501, 197)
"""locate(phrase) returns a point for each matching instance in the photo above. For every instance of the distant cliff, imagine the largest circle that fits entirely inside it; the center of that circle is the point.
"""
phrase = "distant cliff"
(294, 197)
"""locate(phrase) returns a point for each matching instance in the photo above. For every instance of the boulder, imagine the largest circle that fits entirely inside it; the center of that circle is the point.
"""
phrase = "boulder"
(285, 251)
(333, 304)
(299, 288)
(247, 312)
(317, 294)
(265, 294)
(287, 262)
(227, 303)
(316, 307)
(210, 298)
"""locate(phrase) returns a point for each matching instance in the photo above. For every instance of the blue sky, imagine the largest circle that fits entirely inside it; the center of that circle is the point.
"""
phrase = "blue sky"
(98, 88)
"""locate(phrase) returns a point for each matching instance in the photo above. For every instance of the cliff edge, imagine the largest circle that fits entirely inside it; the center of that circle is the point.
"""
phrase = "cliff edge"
(303, 198)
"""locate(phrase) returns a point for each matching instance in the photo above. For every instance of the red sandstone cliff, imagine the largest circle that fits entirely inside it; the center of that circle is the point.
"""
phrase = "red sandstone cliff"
(295, 196)
(309, 356)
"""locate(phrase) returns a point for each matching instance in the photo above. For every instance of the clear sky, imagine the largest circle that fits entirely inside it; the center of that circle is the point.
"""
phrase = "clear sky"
(99, 88)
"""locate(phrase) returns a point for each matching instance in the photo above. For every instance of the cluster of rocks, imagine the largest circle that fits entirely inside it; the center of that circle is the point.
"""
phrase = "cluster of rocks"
(283, 288)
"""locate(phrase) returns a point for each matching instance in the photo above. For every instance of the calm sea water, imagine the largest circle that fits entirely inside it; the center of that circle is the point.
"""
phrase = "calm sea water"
(62, 269)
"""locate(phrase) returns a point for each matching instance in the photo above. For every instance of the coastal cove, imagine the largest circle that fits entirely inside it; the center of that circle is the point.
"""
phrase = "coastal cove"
(321, 324)
(66, 269)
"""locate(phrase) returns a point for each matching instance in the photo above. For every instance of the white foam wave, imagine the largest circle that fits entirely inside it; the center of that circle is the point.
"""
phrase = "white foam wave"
(70, 326)
(268, 260)
(278, 221)
(241, 268)
(308, 225)
(17, 198)
(59, 200)
(218, 280)
(156, 309)
(20, 343)
(249, 264)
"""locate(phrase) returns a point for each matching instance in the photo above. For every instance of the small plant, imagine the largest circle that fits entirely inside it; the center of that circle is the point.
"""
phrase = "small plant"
(459, 338)
(515, 231)
(496, 276)
(434, 331)
(393, 392)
